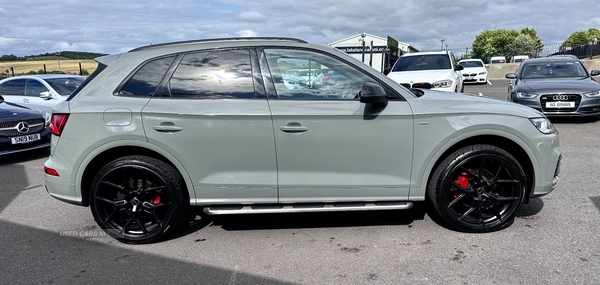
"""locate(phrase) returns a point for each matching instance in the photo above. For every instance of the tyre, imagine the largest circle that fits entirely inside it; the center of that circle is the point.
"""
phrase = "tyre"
(138, 199)
(479, 188)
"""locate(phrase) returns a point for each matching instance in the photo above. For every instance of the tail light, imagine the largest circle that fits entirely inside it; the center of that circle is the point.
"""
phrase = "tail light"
(57, 123)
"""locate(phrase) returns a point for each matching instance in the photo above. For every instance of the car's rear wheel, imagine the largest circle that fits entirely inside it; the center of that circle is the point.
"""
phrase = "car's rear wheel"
(137, 199)
(478, 188)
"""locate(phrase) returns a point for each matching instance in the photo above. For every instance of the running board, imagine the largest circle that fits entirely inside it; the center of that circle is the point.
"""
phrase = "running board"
(305, 208)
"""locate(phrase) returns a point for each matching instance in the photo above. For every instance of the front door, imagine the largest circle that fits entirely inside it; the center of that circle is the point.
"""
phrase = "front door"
(330, 146)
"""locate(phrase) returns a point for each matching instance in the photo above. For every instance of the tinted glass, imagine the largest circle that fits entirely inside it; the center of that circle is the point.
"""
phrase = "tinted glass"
(33, 88)
(299, 74)
(66, 85)
(474, 63)
(423, 62)
(145, 81)
(552, 70)
(214, 75)
(13, 87)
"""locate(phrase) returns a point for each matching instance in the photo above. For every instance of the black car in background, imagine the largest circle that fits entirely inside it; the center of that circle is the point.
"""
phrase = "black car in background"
(22, 129)
(556, 86)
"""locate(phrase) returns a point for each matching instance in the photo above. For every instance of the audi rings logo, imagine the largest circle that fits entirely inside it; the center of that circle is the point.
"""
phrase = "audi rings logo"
(22, 127)
(560, 97)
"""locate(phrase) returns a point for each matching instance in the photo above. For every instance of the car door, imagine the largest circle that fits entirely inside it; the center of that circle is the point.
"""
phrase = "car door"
(210, 117)
(330, 146)
(33, 96)
(14, 91)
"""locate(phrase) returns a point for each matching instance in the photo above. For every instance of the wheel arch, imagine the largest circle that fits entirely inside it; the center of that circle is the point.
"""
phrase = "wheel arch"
(105, 156)
(507, 144)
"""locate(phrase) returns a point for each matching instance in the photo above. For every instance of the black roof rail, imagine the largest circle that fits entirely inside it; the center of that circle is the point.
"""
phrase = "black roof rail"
(217, 40)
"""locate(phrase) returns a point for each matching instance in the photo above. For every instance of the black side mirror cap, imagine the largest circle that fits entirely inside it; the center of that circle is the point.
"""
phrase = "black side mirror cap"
(458, 67)
(387, 70)
(374, 94)
(510, 76)
(595, 72)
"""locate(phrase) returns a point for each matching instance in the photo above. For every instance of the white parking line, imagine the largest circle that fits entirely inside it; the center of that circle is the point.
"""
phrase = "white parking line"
(489, 82)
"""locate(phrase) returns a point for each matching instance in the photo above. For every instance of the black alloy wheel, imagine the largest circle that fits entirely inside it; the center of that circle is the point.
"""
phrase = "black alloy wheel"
(478, 188)
(138, 199)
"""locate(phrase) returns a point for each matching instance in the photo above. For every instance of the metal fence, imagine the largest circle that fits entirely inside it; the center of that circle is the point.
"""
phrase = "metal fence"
(583, 51)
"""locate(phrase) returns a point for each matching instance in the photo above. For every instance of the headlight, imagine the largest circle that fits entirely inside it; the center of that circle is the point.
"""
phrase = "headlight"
(543, 125)
(442, 83)
(482, 73)
(523, 95)
(592, 94)
(46, 116)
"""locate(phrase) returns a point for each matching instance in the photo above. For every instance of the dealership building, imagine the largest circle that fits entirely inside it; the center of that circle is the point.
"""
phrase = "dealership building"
(375, 51)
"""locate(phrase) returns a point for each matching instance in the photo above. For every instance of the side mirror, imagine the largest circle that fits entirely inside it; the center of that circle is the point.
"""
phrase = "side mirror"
(595, 72)
(458, 67)
(1, 99)
(374, 94)
(487, 65)
(510, 76)
(45, 95)
(387, 70)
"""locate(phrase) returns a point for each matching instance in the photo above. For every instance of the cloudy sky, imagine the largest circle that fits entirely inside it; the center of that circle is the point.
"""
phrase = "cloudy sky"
(29, 27)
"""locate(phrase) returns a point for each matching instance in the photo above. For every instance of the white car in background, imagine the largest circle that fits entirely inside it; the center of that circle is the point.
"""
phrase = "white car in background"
(474, 71)
(40, 92)
(428, 70)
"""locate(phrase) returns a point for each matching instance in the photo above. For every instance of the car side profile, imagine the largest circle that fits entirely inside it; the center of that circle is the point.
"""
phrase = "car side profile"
(212, 124)
(428, 70)
(40, 92)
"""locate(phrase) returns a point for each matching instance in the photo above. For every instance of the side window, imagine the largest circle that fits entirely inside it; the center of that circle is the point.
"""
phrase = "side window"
(300, 74)
(33, 88)
(145, 81)
(13, 87)
(214, 75)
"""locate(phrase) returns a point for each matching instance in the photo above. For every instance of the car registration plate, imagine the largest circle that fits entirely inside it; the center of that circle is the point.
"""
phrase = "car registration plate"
(560, 104)
(25, 139)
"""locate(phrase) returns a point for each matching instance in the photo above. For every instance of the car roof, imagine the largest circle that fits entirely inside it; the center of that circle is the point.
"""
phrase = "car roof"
(154, 50)
(44, 76)
(470, 59)
(425, 53)
(553, 59)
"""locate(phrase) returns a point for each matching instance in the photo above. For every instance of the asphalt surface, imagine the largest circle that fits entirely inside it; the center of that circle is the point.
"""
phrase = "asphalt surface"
(554, 240)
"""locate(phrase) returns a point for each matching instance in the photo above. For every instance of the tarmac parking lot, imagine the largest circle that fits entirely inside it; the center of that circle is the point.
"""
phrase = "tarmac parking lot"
(554, 239)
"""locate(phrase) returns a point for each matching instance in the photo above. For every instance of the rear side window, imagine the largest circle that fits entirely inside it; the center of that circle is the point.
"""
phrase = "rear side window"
(225, 74)
(145, 81)
(13, 87)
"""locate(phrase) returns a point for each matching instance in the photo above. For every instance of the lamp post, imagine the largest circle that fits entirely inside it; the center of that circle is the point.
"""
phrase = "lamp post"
(362, 40)
(446, 47)
(442, 48)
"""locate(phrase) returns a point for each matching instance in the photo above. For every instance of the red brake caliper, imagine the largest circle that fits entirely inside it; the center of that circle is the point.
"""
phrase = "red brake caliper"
(156, 197)
(463, 181)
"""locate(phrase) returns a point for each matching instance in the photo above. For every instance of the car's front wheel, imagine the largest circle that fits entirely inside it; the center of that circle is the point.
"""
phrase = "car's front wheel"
(138, 199)
(478, 188)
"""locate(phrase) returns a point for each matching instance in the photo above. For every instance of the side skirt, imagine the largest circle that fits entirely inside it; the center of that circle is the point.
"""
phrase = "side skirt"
(304, 208)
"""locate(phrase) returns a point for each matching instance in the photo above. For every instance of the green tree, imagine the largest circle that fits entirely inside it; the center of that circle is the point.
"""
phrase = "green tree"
(523, 44)
(501, 42)
(581, 38)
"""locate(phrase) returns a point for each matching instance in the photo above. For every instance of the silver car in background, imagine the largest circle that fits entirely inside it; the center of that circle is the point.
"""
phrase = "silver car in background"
(215, 125)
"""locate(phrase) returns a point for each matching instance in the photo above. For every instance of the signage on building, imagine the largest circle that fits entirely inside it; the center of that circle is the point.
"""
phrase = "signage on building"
(359, 49)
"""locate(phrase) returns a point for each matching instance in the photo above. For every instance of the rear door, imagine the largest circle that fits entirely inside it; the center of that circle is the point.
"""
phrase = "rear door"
(210, 116)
